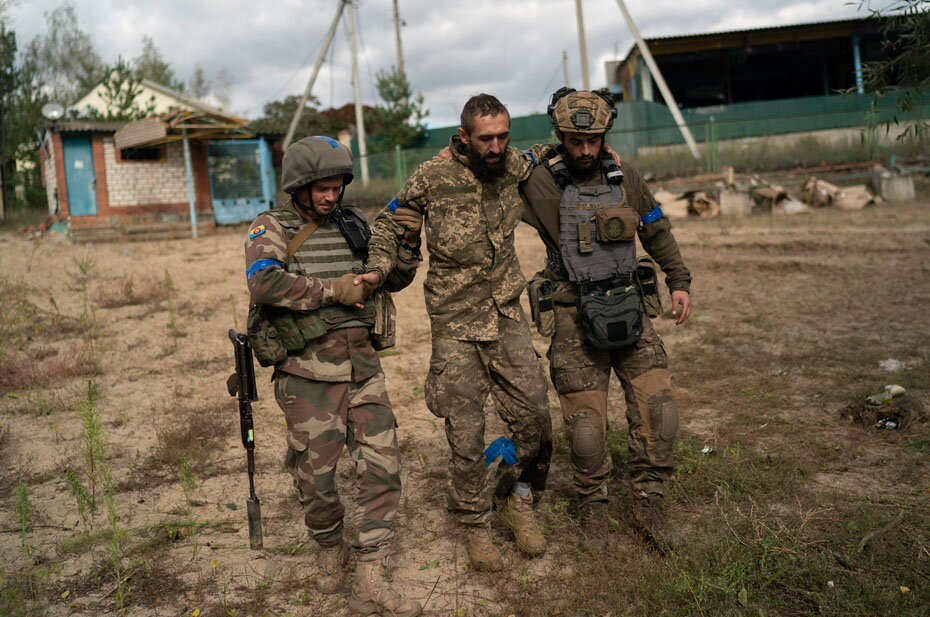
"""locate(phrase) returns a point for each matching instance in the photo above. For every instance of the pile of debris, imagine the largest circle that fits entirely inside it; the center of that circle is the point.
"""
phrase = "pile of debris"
(761, 196)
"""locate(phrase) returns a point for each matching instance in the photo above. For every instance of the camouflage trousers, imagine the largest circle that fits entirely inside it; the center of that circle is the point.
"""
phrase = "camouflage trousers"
(322, 417)
(461, 375)
(581, 376)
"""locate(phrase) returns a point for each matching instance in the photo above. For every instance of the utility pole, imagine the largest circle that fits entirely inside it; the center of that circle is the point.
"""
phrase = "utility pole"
(584, 49)
(359, 116)
(660, 81)
(400, 51)
(565, 67)
(316, 70)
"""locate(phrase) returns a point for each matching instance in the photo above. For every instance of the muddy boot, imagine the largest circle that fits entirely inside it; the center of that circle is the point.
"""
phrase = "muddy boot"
(650, 521)
(332, 567)
(593, 536)
(372, 594)
(518, 515)
(482, 554)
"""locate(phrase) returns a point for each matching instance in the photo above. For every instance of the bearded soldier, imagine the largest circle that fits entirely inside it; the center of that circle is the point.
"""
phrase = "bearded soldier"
(312, 319)
(481, 341)
(588, 211)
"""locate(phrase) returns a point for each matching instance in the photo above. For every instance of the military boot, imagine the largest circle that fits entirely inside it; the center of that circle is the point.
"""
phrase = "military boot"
(650, 521)
(332, 567)
(372, 594)
(482, 554)
(518, 515)
(593, 536)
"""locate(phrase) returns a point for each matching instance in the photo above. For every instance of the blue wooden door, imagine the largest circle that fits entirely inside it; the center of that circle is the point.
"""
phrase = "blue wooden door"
(241, 179)
(79, 175)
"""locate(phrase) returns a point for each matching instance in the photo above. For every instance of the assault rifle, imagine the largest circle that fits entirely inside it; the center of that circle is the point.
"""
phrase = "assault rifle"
(242, 382)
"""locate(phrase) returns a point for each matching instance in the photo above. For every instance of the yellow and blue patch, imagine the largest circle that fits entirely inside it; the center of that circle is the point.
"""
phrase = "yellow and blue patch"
(256, 231)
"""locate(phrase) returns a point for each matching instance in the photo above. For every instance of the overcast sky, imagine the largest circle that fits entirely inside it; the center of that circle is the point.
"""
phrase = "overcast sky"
(451, 49)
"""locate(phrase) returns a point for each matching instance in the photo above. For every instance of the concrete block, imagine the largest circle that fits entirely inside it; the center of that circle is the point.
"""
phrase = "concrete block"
(735, 203)
(893, 187)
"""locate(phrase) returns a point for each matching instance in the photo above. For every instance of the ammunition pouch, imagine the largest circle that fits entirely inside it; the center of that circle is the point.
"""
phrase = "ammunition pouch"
(648, 284)
(611, 319)
(263, 338)
(617, 224)
(384, 330)
(275, 333)
(539, 290)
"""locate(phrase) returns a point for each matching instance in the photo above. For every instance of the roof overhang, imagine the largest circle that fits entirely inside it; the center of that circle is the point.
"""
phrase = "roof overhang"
(173, 126)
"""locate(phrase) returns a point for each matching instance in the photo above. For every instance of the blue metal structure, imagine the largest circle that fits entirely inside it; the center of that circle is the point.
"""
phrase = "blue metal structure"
(80, 178)
(241, 179)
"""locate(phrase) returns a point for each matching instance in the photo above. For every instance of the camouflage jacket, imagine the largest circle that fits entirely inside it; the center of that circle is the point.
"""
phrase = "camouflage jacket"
(474, 276)
(542, 197)
(343, 354)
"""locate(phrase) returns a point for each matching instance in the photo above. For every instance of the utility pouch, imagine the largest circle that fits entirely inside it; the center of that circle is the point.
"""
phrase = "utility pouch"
(310, 325)
(617, 224)
(263, 338)
(384, 331)
(540, 293)
(648, 284)
(613, 319)
(285, 324)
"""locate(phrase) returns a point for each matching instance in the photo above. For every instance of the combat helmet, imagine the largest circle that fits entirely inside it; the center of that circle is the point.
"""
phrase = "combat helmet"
(314, 158)
(582, 111)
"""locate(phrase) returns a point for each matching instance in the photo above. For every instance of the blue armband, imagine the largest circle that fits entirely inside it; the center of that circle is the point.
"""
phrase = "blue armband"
(653, 215)
(393, 205)
(501, 447)
(532, 158)
(261, 264)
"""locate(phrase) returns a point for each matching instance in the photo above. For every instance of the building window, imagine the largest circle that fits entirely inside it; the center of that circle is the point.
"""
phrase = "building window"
(142, 154)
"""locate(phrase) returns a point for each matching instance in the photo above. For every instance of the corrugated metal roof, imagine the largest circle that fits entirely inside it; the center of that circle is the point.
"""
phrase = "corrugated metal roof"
(84, 126)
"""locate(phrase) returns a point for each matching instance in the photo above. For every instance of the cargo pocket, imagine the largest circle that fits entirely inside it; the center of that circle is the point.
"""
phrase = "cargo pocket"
(574, 379)
(433, 388)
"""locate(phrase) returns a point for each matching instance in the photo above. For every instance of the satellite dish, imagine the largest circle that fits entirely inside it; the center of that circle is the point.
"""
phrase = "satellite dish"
(53, 111)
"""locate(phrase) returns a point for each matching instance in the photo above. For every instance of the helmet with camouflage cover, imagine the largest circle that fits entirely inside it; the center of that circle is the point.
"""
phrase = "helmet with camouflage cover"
(583, 111)
(314, 158)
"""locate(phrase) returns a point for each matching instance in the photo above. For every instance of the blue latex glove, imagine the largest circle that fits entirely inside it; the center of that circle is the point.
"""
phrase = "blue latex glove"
(501, 447)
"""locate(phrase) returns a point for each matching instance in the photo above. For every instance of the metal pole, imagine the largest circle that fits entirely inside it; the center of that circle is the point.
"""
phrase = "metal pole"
(359, 116)
(400, 51)
(660, 81)
(190, 184)
(316, 69)
(584, 51)
(565, 67)
(857, 64)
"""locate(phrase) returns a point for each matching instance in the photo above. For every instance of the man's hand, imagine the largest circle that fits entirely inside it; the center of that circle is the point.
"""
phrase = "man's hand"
(371, 280)
(348, 291)
(681, 299)
(614, 155)
(411, 221)
(445, 153)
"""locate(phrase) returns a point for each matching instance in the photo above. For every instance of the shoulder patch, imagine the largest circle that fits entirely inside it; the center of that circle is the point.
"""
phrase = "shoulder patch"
(256, 231)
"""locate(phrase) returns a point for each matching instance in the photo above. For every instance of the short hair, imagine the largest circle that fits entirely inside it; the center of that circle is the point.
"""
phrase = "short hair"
(480, 105)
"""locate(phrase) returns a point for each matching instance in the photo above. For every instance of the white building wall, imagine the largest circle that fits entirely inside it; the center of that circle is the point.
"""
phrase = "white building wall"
(51, 177)
(135, 183)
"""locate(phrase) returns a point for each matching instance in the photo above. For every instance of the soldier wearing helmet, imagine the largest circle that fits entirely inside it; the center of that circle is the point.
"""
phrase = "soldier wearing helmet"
(588, 209)
(311, 318)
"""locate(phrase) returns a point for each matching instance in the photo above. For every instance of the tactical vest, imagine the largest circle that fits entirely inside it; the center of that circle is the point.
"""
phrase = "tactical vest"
(326, 255)
(586, 259)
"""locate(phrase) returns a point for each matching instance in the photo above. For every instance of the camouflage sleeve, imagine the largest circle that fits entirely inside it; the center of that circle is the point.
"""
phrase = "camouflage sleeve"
(384, 245)
(655, 234)
(539, 152)
(268, 281)
(404, 271)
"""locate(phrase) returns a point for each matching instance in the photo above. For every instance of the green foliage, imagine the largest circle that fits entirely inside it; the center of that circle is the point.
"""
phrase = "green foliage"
(17, 315)
(904, 71)
(24, 513)
(151, 65)
(399, 120)
(121, 93)
(313, 121)
(81, 495)
(95, 449)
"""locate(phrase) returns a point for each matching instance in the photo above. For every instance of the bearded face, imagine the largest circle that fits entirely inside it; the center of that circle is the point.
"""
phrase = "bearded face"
(583, 152)
(486, 146)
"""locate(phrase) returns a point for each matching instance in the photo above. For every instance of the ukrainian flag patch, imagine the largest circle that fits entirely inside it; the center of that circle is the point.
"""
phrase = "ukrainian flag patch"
(257, 231)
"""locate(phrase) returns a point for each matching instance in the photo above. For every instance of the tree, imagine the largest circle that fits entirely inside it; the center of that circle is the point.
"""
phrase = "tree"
(122, 89)
(198, 86)
(399, 120)
(9, 77)
(278, 115)
(904, 72)
(152, 66)
(64, 61)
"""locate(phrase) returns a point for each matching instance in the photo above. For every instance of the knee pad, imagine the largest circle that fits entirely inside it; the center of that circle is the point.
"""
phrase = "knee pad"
(587, 441)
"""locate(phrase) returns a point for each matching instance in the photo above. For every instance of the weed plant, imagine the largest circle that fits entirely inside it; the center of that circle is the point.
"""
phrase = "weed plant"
(189, 485)
(169, 290)
(24, 513)
(85, 271)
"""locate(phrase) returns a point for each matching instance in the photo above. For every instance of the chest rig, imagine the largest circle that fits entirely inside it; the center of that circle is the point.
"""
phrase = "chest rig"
(597, 241)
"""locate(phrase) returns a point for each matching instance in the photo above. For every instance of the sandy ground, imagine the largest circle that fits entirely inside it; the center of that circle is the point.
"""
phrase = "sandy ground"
(150, 370)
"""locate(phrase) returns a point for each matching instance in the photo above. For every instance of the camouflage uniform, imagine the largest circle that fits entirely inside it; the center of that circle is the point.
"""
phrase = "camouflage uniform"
(581, 374)
(481, 339)
(333, 392)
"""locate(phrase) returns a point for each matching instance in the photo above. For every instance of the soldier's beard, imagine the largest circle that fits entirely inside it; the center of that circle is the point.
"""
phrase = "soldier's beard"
(583, 167)
(484, 169)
